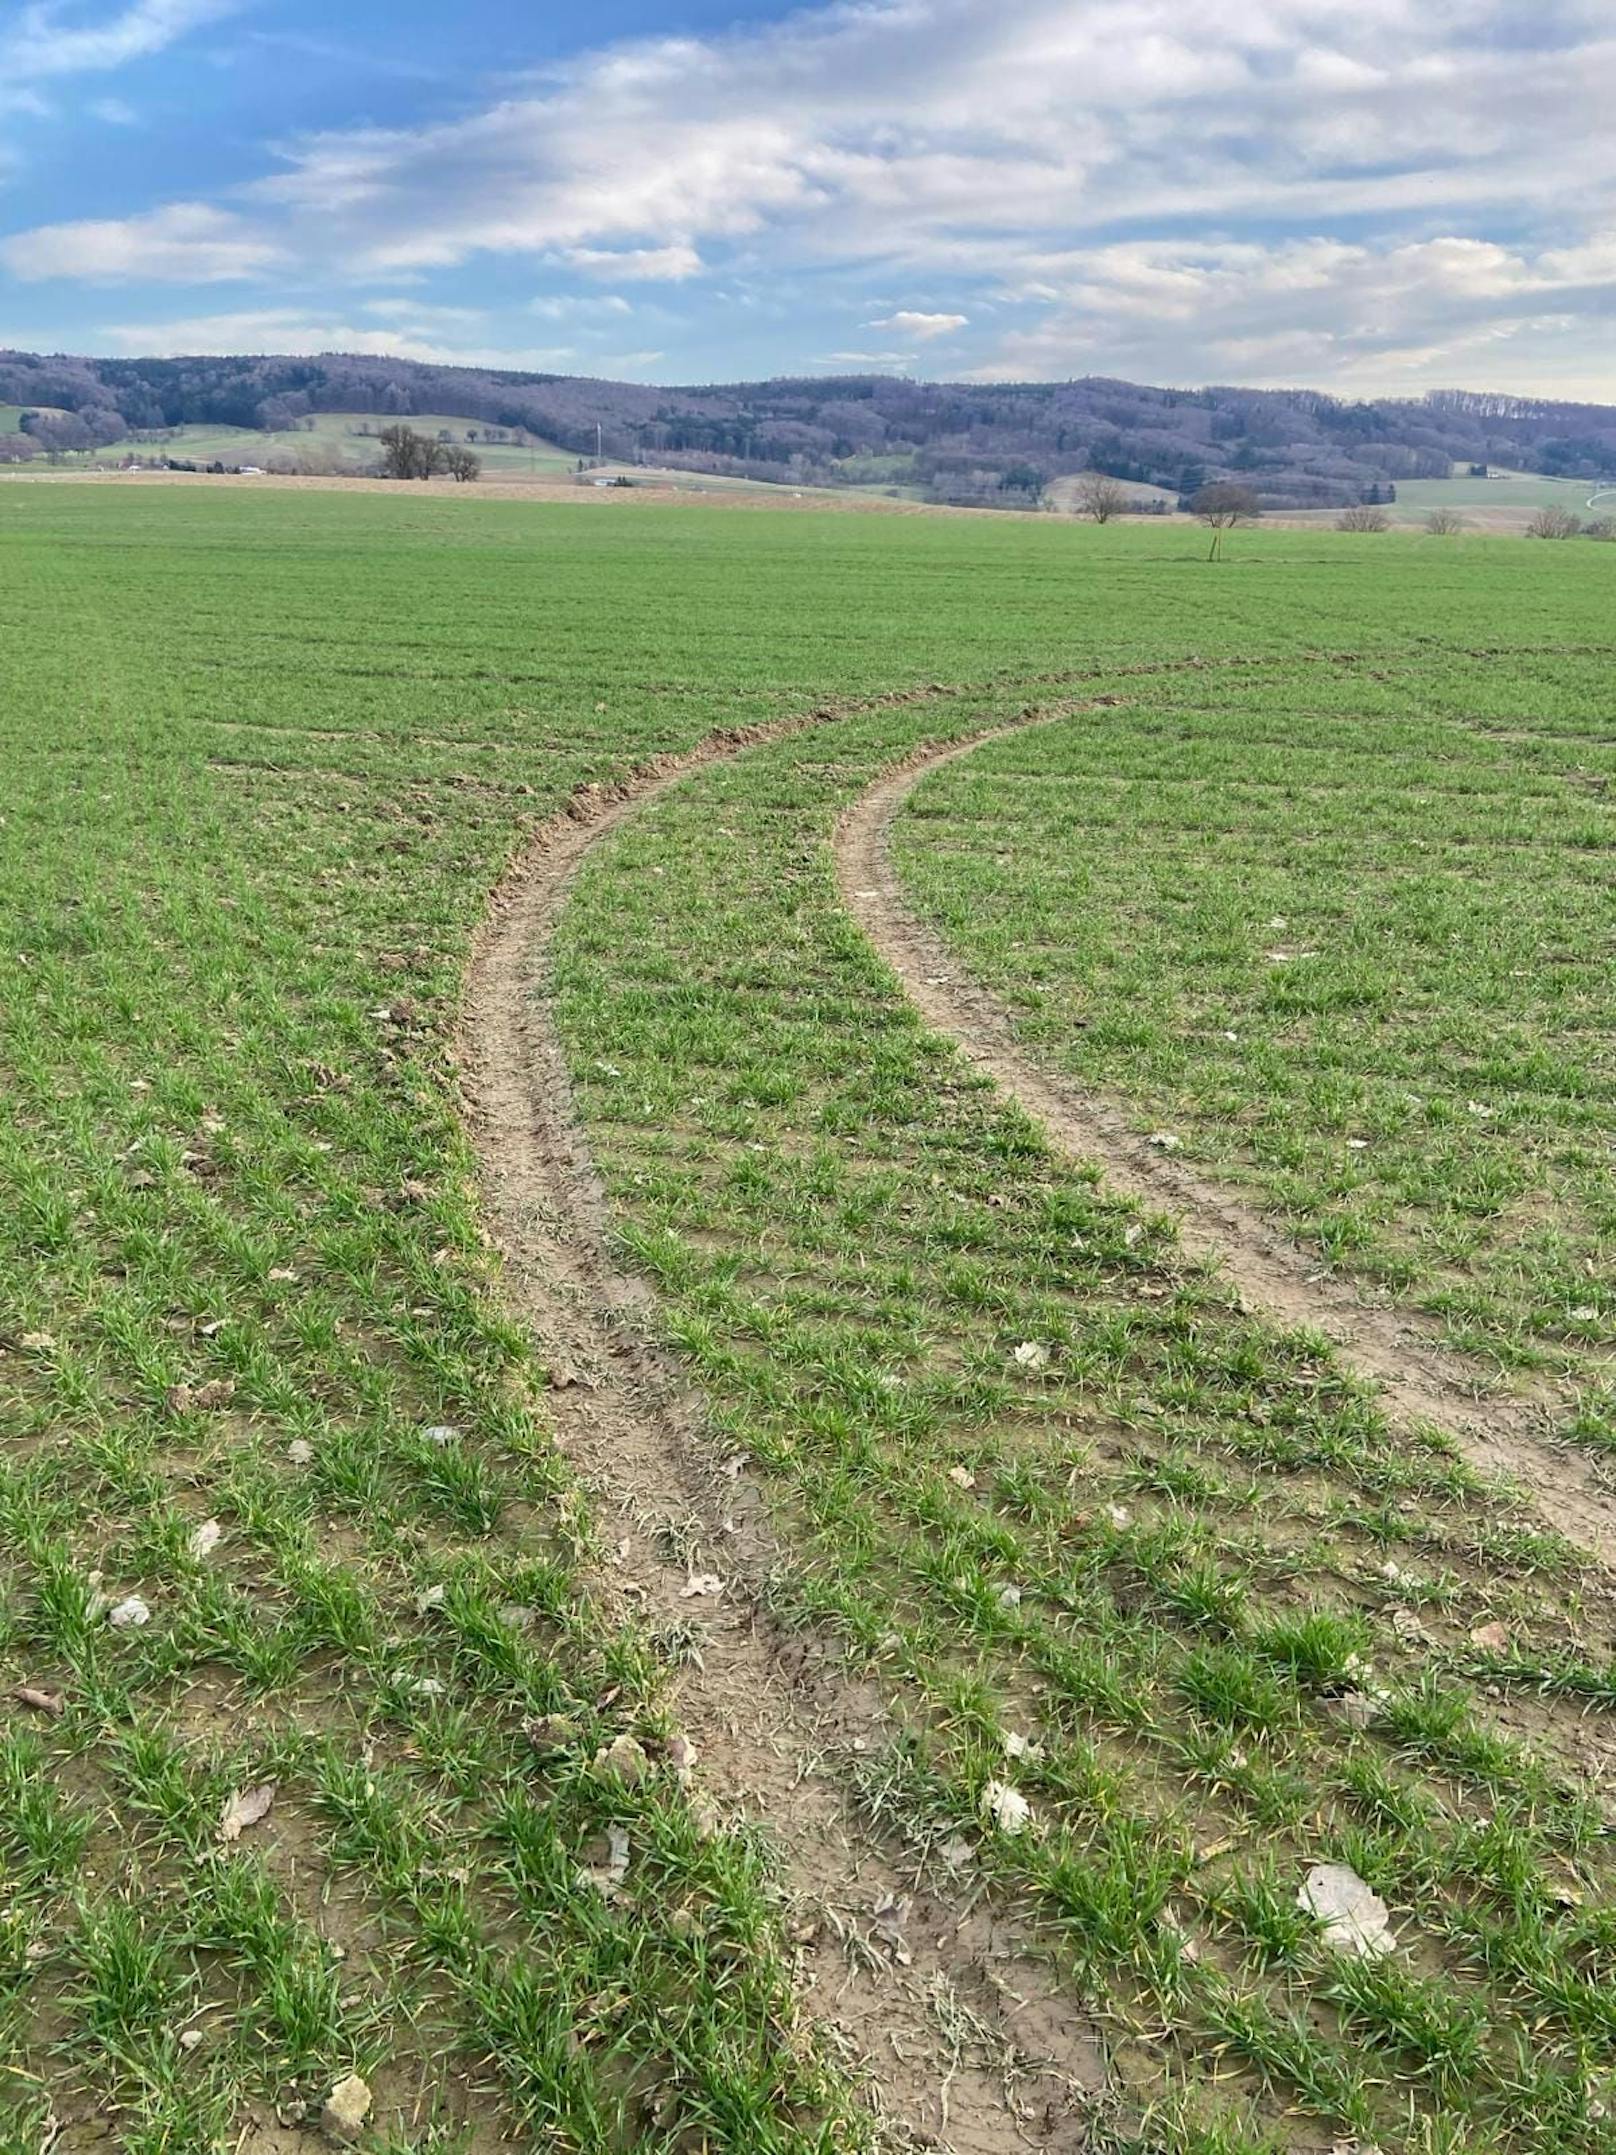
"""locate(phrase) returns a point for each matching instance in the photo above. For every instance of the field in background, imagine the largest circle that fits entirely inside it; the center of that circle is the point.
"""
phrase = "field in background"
(280, 1505)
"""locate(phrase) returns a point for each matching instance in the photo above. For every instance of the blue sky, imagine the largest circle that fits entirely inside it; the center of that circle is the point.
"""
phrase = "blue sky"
(1373, 196)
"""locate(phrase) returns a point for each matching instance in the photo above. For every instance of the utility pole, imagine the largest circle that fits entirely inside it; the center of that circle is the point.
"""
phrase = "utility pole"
(600, 450)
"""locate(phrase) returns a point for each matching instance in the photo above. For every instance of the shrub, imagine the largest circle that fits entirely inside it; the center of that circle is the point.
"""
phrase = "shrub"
(1554, 524)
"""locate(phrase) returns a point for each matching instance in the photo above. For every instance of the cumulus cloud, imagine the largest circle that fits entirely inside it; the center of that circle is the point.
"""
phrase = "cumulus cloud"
(1367, 316)
(1019, 164)
(187, 243)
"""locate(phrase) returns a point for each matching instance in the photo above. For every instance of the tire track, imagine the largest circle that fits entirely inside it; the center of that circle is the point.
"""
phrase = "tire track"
(964, 2037)
(1422, 1381)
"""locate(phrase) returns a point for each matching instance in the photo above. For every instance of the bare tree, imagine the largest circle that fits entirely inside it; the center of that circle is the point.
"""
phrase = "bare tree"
(408, 455)
(1444, 523)
(1221, 506)
(1363, 517)
(1600, 527)
(463, 465)
(1101, 497)
(1554, 524)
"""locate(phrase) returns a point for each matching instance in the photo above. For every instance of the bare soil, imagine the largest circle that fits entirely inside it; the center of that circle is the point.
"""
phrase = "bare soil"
(964, 2037)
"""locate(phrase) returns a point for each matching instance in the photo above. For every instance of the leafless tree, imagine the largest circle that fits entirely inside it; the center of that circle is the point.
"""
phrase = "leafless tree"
(1554, 524)
(408, 455)
(1600, 527)
(1101, 497)
(1364, 516)
(463, 465)
(1221, 506)
(1444, 523)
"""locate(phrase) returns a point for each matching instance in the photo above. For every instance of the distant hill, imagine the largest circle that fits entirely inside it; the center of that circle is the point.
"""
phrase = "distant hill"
(1000, 443)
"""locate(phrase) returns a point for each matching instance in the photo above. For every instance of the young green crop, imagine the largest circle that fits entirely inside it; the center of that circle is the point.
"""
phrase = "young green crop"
(1346, 934)
(265, 757)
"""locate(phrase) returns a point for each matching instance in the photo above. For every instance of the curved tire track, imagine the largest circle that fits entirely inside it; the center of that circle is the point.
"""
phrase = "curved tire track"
(766, 1711)
(1420, 1380)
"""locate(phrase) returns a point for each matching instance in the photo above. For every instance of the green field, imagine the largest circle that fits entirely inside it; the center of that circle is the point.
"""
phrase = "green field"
(11, 416)
(1345, 931)
(1034, 1503)
(1526, 491)
(333, 436)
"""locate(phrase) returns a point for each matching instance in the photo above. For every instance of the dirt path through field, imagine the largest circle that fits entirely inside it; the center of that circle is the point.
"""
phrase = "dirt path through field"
(1421, 1381)
(965, 2038)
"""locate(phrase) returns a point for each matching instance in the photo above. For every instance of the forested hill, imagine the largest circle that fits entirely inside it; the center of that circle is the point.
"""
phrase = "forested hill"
(950, 441)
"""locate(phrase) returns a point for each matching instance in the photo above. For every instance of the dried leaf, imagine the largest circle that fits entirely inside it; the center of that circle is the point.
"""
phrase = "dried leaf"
(1355, 1918)
(891, 1914)
(702, 1583)
(247, 1807)
(1491, 1638)
(1031, 1354)
(962, 1477)
(206, 1539)
(129, 1615)
(1005, 1807)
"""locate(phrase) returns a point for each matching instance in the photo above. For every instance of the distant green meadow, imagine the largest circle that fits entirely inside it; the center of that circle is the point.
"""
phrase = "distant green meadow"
(266, 755)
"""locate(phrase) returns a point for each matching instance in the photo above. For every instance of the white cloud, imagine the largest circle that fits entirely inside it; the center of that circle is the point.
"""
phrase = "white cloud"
(1369, 317)
(884, 362)
(567, 306)
(39, 43)
(1016, 162)
(906, 323)
(114, 112)
(187, 243)
(639, 265)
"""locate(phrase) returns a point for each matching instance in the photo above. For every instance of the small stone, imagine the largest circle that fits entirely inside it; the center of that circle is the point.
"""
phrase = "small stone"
(1356, 1708)
(625, 1761)
(550, 1732)
(1491, 1638)
(190, 2039)
(129, 1615)
(346, 2110)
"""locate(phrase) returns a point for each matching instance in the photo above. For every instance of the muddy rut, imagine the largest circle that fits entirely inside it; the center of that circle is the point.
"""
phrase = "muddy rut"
(963, 2037)
(1420, 1380)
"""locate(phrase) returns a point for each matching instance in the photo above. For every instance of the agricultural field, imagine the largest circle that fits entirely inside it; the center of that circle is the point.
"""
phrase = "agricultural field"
(1343, 934)
(600, 1531)
(1505, 504)
(335, 437)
